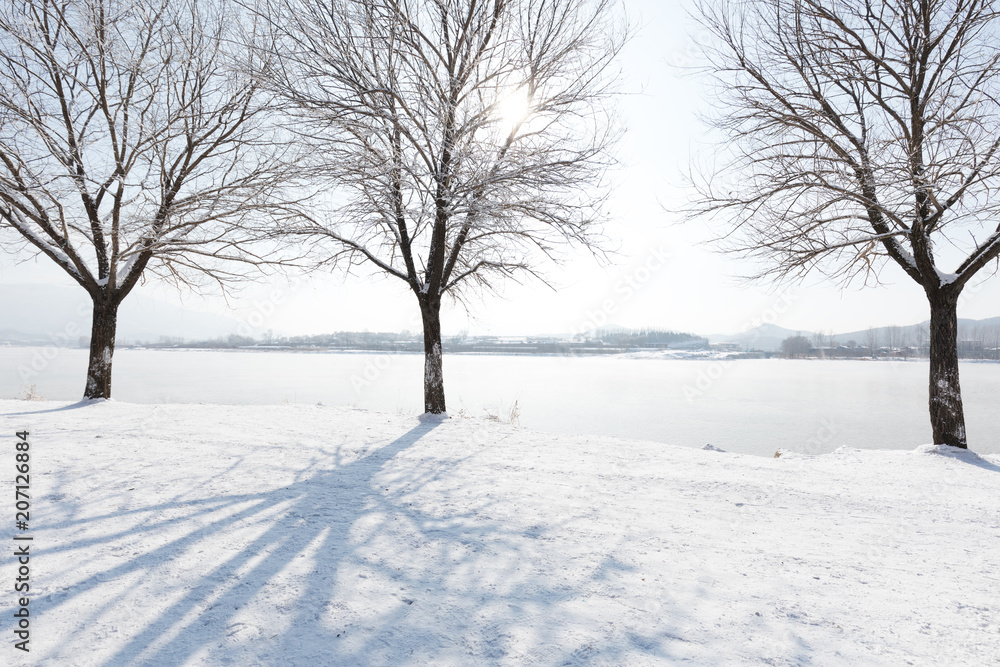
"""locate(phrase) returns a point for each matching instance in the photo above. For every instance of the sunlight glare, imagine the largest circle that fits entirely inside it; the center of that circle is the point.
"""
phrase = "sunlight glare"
(514, 108)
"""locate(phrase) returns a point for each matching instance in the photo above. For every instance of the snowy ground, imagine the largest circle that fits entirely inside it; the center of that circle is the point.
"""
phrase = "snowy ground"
(310, 535)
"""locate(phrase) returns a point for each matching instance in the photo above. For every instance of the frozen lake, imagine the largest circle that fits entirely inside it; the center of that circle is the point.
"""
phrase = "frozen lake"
(748, 406)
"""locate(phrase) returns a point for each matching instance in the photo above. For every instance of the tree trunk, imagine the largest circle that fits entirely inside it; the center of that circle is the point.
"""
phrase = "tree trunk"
(102, 347)
(433, 375)
(947, 415)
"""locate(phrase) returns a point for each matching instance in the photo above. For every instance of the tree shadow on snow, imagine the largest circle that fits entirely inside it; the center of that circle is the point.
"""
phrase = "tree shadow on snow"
(87, 402)
(963, 456)
(980, 462)
(347, 569)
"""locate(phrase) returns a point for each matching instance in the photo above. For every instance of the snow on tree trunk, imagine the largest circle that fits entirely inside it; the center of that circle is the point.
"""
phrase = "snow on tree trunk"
(102, 347)
(433, 371)
(947, 414)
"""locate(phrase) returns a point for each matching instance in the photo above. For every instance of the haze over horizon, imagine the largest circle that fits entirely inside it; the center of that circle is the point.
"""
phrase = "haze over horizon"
(663, 273)
(147, 318)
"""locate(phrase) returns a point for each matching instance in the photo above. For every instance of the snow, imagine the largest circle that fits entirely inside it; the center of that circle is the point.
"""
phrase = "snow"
(679, 354)
(953, 452)
(123, 273)
(742, 406)
(310, 535)
(946, 278)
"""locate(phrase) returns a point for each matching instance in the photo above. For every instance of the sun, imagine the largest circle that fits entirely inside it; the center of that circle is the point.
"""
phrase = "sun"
(514, 108)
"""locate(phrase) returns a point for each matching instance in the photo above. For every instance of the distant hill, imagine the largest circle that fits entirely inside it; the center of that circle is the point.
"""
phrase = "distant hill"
(768, 337)
(966, 328)
(37, 314)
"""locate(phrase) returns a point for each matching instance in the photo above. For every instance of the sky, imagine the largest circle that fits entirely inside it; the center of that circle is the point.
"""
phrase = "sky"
(663, 272)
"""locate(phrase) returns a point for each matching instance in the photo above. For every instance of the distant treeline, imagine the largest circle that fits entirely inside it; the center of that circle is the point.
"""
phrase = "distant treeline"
(650, 338)
(980, 341)
(601, 342)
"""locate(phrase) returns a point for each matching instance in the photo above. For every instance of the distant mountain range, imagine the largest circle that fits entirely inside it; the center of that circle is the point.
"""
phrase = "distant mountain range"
(37, 314)
(33, 314)
(768, 337)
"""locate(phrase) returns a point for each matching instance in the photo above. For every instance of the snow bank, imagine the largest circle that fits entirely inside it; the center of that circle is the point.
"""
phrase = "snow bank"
(965, 455)
(310, 535)
(433, 417)
(712, 355)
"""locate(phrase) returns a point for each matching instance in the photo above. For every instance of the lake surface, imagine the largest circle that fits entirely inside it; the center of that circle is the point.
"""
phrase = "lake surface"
(747, 406)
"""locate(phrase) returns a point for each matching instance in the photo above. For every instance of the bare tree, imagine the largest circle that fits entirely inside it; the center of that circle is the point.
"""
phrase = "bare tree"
(863, 132)
(463, 140)
(795, 347)
(920, 334)
(822, 340)
(993, 342)
(129, 147)
(872, 341)
(893, 338)
(973, 339)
